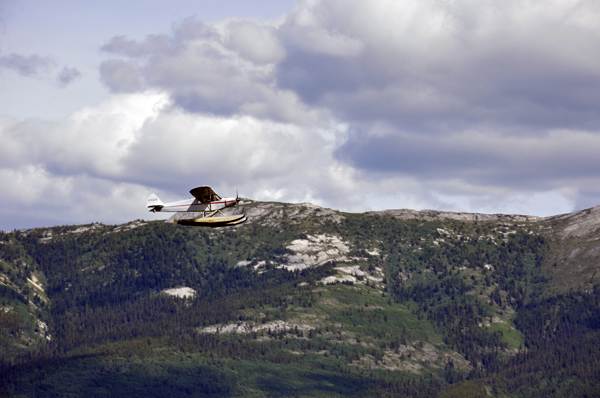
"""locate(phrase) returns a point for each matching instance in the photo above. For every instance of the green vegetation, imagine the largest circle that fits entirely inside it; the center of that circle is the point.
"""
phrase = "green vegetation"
(398, 308)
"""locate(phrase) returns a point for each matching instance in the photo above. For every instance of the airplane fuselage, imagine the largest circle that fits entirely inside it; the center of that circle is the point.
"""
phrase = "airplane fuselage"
(190, 205)
(205, 201)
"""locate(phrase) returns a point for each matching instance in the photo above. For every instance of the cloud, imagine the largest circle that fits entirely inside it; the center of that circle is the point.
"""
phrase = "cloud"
(34, 197)
(28, 66)
(223, 68)
(484, 158)
(423, 67)
(433, 67)
(91, 141)
(36, 65)
(257, 43)
(120, 76)
(102, 162)
(455, 105)
(153, 44)
(67, 75)
(474, 100)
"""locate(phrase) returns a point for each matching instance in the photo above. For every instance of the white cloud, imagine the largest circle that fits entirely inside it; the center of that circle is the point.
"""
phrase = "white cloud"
(257, 43)
(224, 68)
(34, 197)
(101, 163)
(456, 105)
(92, 140)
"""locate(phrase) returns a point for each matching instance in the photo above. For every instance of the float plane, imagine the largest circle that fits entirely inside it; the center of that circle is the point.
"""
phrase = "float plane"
(206, 201)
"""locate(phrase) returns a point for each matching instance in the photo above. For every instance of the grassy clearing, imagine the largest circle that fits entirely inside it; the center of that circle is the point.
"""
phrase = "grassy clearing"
(364, 311)
(510, 335)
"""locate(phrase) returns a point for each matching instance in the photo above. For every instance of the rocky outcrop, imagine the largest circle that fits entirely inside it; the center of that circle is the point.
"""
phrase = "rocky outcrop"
(434, 215)
(576, 224)
(572, 262)
(270, 213)
(315, 251)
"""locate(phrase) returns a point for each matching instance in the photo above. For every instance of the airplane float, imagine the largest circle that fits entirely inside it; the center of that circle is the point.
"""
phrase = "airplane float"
(206, 201)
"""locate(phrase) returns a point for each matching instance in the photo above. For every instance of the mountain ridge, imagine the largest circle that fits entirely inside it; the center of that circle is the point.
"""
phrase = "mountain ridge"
(403, 214)
(415, 303)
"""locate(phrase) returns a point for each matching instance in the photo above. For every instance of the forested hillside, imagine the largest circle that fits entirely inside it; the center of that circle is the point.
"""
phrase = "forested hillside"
(305, 301)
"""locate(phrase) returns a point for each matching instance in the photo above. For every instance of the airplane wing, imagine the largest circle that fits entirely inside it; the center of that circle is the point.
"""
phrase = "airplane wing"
(205, 194)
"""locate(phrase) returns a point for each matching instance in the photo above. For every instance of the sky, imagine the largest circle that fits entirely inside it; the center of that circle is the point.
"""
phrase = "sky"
(454, 105)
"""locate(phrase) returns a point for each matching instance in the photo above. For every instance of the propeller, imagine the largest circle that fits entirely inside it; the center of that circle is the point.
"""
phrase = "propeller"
(238, 199)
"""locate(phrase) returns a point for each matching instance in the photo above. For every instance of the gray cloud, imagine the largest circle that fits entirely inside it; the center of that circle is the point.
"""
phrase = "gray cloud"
(28, 66)
(152, 45)
(67, 75)
(256, 43)
(121, 76)
(493, 97)
(496, 96)
(136, 143)
(486, 159)
(434, 68)
(423, 67)
(219, 68)
(472, 106)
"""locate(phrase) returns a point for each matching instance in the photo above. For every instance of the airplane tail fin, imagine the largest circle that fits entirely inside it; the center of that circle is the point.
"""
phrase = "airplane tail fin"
(154, 204)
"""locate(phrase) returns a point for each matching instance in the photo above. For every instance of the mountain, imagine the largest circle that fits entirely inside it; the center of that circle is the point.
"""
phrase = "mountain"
(305, 301)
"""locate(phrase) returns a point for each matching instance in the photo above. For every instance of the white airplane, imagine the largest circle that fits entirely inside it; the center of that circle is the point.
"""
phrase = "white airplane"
(206, 201)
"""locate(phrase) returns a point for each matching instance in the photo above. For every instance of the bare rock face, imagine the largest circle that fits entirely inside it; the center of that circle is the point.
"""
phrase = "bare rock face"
(577, 224)
(315, 251)
(181, 292)
(270, 213)
(572, 261)
(574, 238)
(433, 215)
